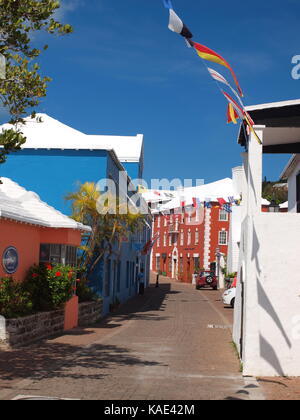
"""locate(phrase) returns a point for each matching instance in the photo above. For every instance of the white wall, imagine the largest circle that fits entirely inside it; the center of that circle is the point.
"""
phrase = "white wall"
(267, 319)
(235, 223)
(272, 291)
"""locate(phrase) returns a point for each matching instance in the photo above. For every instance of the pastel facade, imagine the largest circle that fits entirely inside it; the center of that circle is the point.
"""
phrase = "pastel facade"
(56, 159)
(28, 226)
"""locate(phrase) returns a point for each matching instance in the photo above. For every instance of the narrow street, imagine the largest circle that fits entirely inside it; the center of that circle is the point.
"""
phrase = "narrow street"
(174, 343)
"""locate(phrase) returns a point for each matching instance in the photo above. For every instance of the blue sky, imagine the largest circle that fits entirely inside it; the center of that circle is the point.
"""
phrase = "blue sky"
(123, 72)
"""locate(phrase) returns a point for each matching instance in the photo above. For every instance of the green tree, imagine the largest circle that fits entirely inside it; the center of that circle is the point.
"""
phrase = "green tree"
(271, 191)
(109, 227)
(23, 86)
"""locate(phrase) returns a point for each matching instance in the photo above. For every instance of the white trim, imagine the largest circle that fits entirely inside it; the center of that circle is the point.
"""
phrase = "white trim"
(273, 105)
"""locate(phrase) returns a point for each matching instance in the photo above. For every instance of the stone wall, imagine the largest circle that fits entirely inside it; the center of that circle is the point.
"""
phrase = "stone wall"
(89, 313)
(23, 331)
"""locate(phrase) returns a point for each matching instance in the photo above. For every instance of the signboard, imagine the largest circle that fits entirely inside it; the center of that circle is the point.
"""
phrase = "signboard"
(10, 260)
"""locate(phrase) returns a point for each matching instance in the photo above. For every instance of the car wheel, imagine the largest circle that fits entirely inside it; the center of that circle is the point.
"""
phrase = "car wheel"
(209, 280)
(232, 303)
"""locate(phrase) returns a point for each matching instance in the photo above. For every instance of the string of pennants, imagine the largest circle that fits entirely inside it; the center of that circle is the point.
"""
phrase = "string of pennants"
(235, 108)
(208, 203)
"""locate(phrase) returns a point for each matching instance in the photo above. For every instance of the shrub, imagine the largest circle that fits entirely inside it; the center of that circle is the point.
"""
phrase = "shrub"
(14, 300)
(84, 292)
(50, 286)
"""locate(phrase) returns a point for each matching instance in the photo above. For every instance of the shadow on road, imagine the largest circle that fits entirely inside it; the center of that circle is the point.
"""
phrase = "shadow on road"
(49, 359)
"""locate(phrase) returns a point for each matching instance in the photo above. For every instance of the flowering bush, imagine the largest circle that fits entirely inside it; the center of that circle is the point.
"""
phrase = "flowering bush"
(14, 300)
(50, 286)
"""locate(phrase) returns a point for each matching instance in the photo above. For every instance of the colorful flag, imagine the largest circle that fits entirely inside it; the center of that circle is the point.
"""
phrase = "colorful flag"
(231, 200)
(232, 115)
(196, 203)
(150, 244)
(168, 4)
(239, 110)
(210, 55)
(219, 78)
(207, 203)
(250, 124)
(176, 25)
(221, 201)
(227, 208)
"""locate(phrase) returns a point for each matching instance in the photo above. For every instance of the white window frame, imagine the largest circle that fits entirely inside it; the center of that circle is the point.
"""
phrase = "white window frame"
(182, 238)
(197, 237)
(221, 240)
(222, 214)
(165, 239)
(189, 238)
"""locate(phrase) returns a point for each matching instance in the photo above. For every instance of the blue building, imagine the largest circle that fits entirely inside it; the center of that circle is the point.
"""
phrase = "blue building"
(55, 160)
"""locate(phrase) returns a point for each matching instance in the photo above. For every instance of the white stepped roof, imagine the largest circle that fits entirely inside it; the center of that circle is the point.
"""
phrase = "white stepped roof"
(52, 134)
(21, 205)
(127, 149)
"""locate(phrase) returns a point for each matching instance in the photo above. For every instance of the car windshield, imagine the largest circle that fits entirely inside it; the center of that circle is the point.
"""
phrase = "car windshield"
(206, 274)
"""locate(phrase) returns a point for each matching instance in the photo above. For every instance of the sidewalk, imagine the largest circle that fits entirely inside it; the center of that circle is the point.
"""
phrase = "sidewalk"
(281, 388)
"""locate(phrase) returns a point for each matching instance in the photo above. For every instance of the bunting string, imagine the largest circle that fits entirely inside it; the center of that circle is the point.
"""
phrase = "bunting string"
(235, 110)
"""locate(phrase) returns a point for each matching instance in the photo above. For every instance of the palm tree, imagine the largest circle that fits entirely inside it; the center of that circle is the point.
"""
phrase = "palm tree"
(109, 226)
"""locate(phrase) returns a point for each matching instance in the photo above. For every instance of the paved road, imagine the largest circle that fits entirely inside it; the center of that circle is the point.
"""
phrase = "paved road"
(157, 347)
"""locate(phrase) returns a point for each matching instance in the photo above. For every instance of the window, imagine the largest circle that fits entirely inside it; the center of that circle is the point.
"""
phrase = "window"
(107, 278)
(158, 222)
(170, 264)
(165, 222)
(58, 254)
(196, 263)
(119, 276)
(181, 267)
(197, 237)
(189, 241)
(223, 240)
(165, 239)
(158, 242)
(127, 274)
(182, 238)
(170, 239)
(157, 263)
(223, 217)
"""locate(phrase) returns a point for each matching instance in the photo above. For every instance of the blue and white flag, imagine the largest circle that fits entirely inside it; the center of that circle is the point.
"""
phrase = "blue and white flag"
(227, 208)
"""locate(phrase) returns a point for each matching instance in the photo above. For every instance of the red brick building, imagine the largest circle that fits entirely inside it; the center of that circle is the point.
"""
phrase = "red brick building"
(189, 241)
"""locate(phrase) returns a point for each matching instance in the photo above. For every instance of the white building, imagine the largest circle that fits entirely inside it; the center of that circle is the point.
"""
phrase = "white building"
(292, 174)
(267, 312)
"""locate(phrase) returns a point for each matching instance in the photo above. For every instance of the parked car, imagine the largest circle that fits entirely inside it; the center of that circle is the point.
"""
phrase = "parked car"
(229, 297)
(207, 279)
